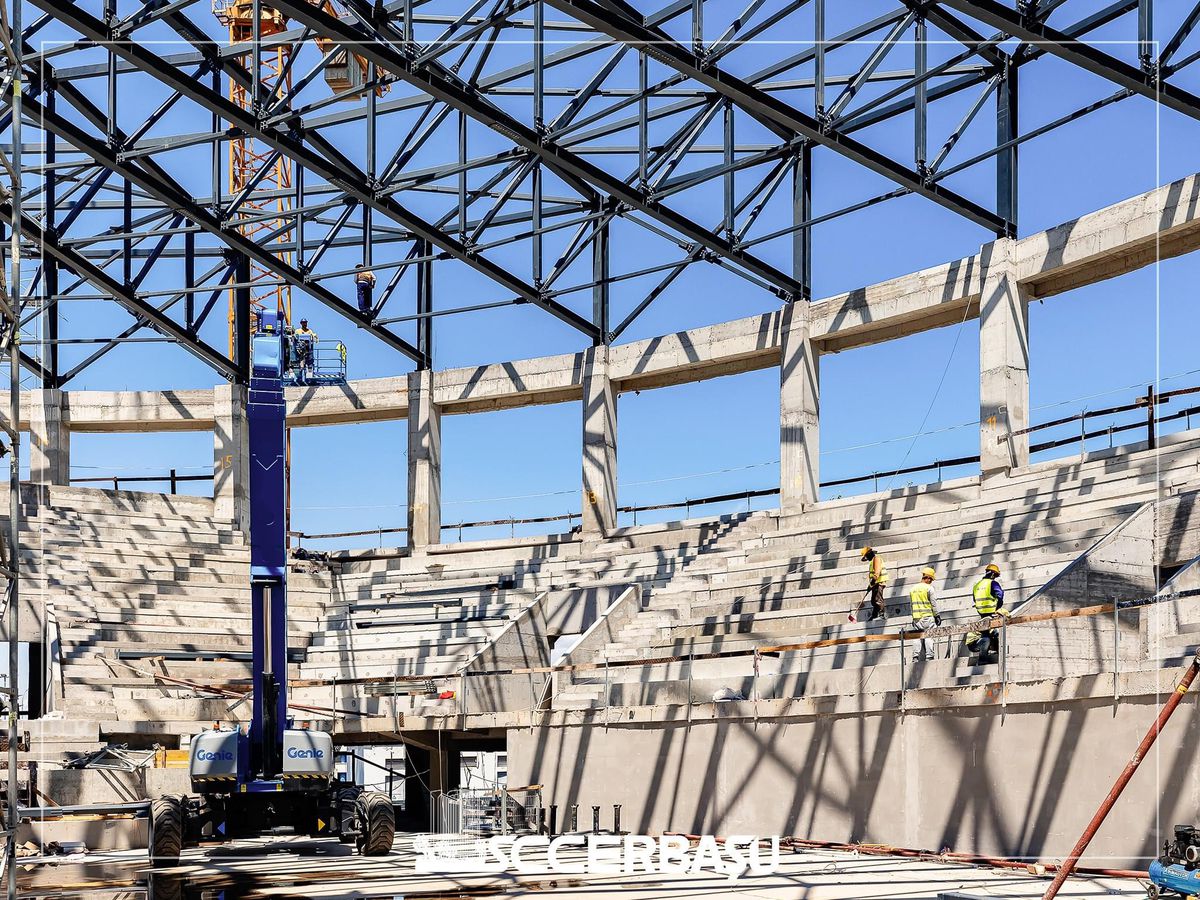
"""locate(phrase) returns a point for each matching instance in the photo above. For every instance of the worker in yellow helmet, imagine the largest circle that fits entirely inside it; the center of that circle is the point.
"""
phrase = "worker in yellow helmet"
(924, 612)
(989, 601)
(876, 579)
(306, 351)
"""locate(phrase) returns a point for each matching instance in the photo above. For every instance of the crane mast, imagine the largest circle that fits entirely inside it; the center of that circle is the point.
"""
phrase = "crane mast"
(264, 176)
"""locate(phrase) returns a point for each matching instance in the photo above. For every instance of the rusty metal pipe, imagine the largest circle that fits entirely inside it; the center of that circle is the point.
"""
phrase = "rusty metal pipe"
(1127, 773)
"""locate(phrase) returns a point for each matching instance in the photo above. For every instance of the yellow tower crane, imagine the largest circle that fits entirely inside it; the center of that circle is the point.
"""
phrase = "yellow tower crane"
(267, 208)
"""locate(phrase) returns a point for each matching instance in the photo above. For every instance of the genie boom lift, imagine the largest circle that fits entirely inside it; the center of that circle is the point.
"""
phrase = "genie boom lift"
(271, 776)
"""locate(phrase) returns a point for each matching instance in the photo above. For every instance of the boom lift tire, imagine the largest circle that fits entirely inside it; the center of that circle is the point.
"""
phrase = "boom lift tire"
(376, 823)
(166, 830)
(345, 805)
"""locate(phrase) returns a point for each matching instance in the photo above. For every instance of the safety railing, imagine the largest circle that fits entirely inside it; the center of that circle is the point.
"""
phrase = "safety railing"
(1148, 404)
(485, 811)
(394, 776)
(173, 478)
(326, 366)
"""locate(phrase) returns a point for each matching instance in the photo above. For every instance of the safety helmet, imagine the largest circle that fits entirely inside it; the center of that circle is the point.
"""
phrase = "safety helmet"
(992, 569)
(927, 572)
(866, 551)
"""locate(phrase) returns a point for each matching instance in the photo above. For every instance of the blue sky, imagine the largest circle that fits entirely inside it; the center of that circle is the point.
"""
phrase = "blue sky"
(722, 435)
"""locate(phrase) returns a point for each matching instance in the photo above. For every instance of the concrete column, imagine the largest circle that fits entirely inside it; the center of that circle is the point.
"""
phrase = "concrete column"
(231, 456)
(799, 411)
(599, 444)
(1003, 362)
(49, 439)
(442, 772)
(424, 462)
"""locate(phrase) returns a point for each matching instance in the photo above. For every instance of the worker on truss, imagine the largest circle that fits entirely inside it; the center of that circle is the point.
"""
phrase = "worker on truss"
(876, 579)
(989, 601)
(924, 612)
(364, 284)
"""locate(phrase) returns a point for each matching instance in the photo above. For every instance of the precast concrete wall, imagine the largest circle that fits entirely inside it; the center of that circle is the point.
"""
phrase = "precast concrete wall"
(1018, 782)
(1120, 566)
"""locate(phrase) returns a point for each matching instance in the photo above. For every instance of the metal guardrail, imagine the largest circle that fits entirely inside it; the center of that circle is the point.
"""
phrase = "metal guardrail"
(326, 366)
(173, 478)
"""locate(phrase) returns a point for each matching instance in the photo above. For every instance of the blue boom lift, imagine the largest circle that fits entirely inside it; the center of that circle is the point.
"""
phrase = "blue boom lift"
(271, 776)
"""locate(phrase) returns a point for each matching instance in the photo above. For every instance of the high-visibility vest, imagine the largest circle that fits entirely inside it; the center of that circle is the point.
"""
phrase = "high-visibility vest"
(985, 603)
(921, 603)
(882, 577)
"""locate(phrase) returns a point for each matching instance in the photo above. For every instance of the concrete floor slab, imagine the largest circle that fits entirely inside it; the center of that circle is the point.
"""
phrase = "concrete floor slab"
(293, 868)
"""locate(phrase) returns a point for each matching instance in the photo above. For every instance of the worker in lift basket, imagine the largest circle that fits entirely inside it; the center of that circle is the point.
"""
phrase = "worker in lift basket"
(306, 343)
(364, 284)
(989, 600)
(924, 612)
(876, 579)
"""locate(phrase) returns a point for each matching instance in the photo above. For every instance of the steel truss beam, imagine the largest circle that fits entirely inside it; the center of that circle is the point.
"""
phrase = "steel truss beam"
(324, 160)
(620, 21)
(684, 101)
(122, 294)
(162, 187)
(444, 86)
(1057, 43)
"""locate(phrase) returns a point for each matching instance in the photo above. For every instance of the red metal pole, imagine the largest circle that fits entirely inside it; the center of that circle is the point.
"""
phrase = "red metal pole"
(1130, 767)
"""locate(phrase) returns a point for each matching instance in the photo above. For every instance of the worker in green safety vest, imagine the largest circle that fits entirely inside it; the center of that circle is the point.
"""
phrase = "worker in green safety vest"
(924, 612)
(989, 601)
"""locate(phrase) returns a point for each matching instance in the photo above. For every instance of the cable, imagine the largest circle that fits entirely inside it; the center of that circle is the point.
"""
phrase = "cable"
(933, 400)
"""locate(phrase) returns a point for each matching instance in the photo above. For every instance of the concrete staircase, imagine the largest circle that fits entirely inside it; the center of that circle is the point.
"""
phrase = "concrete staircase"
(795, 584)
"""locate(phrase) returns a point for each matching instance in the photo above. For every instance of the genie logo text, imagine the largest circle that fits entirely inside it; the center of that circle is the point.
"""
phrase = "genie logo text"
(298, 753)
(214, 756)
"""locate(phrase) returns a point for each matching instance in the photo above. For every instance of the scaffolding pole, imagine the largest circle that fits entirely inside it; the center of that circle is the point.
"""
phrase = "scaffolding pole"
(12, 339)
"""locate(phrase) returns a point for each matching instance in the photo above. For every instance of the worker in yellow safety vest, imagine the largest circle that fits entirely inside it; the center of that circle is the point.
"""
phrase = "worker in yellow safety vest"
(876, 579)
(924, 612)
(989, 601)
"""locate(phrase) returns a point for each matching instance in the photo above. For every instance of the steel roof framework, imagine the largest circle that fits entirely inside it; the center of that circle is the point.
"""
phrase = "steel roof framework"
(489, 161)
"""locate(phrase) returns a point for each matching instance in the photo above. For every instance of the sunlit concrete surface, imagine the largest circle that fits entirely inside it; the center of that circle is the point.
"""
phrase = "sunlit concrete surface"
(325, 869)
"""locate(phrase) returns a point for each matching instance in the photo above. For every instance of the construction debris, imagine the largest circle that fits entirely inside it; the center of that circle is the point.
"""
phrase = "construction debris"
(117, 757)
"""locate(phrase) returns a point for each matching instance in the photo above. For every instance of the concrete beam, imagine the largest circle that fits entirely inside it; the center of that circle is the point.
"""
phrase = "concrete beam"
(363, 400)
(1160, 224)
(934, 297)
(507, 385)
(1164, 222)
(728, 348)
(135, 411)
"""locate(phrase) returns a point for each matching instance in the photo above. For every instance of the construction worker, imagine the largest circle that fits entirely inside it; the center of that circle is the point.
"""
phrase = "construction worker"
(876, 579)
(364, 283)
(306, 343)
(989, 600)
(924, 612)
